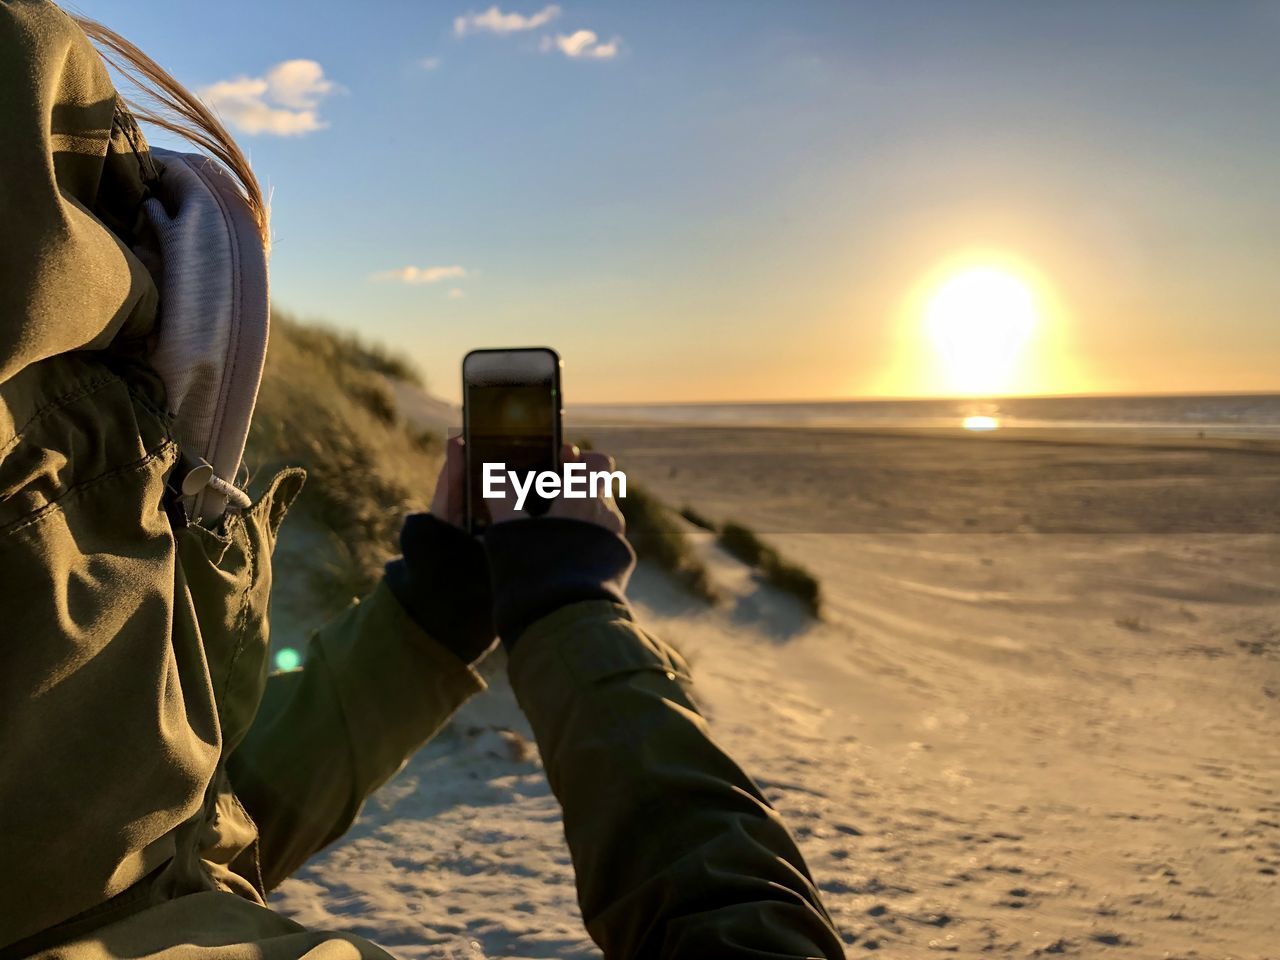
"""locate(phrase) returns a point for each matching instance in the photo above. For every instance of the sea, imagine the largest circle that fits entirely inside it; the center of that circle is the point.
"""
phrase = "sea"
(1220, 416)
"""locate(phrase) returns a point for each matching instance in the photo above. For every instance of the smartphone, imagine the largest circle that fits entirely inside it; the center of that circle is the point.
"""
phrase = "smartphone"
(511, 414)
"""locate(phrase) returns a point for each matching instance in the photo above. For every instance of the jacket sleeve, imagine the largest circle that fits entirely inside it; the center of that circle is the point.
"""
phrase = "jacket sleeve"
(373, 690)
(676, 852)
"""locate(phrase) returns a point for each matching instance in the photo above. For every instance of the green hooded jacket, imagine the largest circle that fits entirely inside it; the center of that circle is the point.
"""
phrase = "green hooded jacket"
(155, 781)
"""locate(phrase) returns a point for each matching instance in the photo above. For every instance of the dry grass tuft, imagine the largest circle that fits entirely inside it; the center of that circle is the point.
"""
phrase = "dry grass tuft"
(743, 543)
(325, 405)
(698, 519)
(654, 532)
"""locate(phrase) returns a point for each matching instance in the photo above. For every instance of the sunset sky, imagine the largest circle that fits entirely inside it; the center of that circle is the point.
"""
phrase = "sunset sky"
(750, 200)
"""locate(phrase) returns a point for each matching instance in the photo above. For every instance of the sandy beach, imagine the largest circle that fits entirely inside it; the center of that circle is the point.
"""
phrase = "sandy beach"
(1039, 716)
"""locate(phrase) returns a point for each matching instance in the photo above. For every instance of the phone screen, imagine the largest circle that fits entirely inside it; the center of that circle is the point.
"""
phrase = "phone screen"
(511, 416)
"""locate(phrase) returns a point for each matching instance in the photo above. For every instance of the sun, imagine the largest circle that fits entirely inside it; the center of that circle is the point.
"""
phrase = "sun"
(979, 320)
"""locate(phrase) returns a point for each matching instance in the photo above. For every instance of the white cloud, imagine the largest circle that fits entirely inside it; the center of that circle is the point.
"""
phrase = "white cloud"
(494, 20)
(284, 102)
(416, 275)
(429, 63)
(581, 44)
(299, 84)
(456, 293)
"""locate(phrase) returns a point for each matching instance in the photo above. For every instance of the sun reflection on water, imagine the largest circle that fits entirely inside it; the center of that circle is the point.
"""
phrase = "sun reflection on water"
(981, 423)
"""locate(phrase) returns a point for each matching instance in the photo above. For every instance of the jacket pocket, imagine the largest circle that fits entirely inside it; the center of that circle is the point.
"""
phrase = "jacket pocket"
(226, 574)
(65, 424)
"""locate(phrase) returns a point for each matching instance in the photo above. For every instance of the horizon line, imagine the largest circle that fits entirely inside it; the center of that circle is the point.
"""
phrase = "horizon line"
(918, 399)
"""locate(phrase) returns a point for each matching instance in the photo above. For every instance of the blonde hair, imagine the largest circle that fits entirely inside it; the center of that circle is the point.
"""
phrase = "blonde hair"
(177, 110)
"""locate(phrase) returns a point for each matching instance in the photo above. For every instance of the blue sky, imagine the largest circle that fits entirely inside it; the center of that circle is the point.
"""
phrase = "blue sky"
(749, 200)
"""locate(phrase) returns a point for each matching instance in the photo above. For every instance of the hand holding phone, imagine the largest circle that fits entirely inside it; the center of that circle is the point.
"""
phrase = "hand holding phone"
(449, 501)
(511, 415)
(600, 509)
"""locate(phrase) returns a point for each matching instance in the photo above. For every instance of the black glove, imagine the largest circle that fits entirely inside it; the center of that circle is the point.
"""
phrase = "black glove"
(541, 564)
(442, 581)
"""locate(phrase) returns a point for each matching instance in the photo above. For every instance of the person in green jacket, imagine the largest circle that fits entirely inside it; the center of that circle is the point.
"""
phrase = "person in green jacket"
(155, 781)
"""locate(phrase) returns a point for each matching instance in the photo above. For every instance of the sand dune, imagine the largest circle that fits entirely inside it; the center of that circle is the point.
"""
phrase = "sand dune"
(1052, 730)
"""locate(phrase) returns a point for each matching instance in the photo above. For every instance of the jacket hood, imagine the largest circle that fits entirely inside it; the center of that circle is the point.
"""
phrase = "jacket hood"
(72, 171)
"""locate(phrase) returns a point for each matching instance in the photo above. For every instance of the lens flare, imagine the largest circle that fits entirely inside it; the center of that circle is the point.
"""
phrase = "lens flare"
(288, 659)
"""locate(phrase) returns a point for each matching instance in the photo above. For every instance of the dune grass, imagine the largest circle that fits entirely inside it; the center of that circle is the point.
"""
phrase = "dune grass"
(342, 351)
(656, 535)
(697, 519)
(743, 543)
(325, 405)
